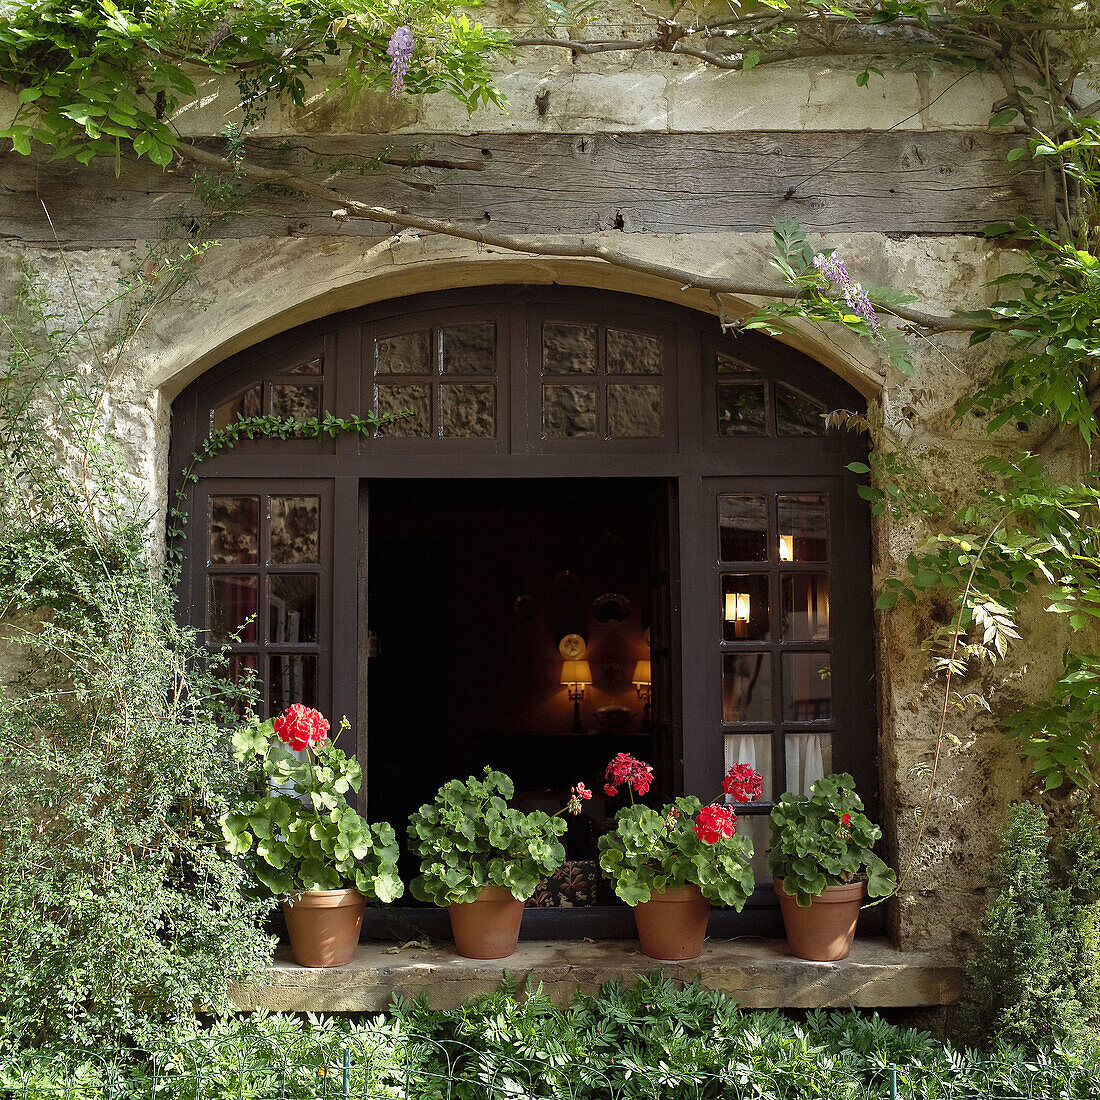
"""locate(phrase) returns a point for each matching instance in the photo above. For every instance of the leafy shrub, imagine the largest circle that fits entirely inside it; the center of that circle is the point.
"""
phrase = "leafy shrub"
(824, 839)
(1036, 978)
(119, 907)
(469, 837)
(634, 1044)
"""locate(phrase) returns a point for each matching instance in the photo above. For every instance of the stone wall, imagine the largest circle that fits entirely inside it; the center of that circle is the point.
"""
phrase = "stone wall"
(257, 283)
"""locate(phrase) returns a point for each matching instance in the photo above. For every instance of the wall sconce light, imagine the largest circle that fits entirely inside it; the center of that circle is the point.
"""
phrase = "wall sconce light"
(643, 685)
(576, 676)
(786, 547)
(737, 612)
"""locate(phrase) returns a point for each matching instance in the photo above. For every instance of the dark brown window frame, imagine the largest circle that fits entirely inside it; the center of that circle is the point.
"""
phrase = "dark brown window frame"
(691, 454)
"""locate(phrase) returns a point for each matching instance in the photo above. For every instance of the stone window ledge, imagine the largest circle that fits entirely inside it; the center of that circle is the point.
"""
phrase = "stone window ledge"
(758, 973)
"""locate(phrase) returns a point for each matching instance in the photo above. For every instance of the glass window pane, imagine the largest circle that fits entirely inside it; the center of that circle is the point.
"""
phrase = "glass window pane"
(745, 612)
(734, 366)
(295, 529)
(809, 756)
(803, 527)
(413, 400)
(797, 414)
(233, 605)
(234, 531)
(805, 607)
(568, 349)
(742, 408)
(299, 402)
(314, 366)
(247, 404)
(292, 615)
(742, 527)
(568, 412)
(469, 349)
(754, 749)
(292, 679)
(634, 412)
(757, 827)
(747, 687)
(807, 687)
(407, 354)
(240, 672)
(632, 352)
(469, 410)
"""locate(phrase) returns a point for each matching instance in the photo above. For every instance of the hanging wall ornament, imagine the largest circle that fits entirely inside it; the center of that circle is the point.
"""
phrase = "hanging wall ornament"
(611, 608)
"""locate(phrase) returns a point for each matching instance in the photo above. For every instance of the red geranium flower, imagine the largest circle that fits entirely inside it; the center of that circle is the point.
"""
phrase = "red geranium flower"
(300, 726)
(626, 769)
(712, 823)
(743, 783)
(845, 819)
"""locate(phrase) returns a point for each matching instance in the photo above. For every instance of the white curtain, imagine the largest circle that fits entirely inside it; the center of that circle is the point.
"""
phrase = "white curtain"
(805, 761)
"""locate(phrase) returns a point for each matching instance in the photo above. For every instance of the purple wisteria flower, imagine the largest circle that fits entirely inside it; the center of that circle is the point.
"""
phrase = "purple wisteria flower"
(833, 271)
(221, 32)
(400, 50)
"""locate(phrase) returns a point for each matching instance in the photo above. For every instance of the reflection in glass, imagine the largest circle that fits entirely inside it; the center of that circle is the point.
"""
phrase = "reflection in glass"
(292, 679)
(754, 749)
(468, 349)
(634, 412)
(632, 352)
(233, 605)
(295, 529)
(568, 349)
(805, 607)
(234, 531)
(469, 410)
(292, 612)
(414, 400)
(568, 412)
(742, 408)
(797, 414)
(807, 687)
(312, 367)
(742, 527)
(297, 402)
(746, 687)
(809, 756)
(407, 354)
(757, 827)
(803, 526)
(745, 612)
(247, 404)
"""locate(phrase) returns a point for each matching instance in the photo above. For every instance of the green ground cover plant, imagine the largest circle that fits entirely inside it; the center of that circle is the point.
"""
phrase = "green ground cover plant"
(649, 1040)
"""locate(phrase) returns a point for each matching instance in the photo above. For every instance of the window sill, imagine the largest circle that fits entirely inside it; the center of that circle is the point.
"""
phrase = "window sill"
(758, 973)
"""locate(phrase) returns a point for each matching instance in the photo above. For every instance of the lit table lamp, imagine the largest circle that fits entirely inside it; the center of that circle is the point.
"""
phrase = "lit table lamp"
(643, 685)
(737, 612)
(576, 676)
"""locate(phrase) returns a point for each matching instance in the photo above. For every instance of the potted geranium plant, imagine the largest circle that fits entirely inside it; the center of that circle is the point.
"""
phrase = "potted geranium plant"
(305, 842)
(823, 866)
(482, 859)
(671, 864)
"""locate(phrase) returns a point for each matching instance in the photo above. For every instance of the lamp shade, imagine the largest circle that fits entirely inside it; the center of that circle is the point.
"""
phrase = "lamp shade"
(737, 607)
(575, 672)
(642, 673)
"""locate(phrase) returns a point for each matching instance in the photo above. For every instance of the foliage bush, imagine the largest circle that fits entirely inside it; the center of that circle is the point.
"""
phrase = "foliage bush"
(1036, 978)
(649, 1040)
(119, 908)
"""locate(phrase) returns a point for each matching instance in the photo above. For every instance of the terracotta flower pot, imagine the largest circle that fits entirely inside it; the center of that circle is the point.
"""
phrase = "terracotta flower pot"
(488, 926)
(673, 925)
(324, 926)
(822, 932)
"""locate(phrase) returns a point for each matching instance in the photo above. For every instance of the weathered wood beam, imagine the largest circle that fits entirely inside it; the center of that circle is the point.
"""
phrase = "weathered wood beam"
(931, 183)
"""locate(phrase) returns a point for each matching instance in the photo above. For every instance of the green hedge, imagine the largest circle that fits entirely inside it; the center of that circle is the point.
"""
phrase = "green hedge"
(648, 1041)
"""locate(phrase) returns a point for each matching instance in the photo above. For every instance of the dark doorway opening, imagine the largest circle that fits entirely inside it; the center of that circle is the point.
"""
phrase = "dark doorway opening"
(471, 585)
